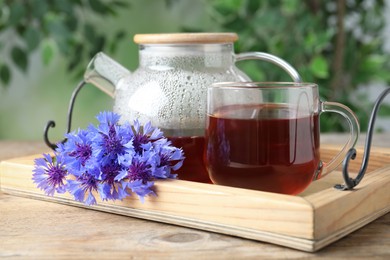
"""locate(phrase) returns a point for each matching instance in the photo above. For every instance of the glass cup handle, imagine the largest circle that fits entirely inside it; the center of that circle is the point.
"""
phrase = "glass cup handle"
(270, 58)
(354, 130)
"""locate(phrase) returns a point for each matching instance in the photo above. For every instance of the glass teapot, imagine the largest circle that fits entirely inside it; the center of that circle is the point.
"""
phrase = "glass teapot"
(169, 88)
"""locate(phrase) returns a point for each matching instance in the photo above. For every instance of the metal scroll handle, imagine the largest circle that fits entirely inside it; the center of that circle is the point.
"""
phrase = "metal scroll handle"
(350, 183)
(51, 123)
(104, 73)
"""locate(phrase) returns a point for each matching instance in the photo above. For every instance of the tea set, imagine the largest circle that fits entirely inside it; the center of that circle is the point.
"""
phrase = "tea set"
(233, 131)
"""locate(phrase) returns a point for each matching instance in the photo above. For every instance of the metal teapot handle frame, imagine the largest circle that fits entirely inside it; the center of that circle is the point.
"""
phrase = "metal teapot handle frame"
(52, 123)
(350, 183)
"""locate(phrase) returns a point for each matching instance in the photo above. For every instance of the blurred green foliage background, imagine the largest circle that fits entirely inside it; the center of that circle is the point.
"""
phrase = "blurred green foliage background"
(45, 45)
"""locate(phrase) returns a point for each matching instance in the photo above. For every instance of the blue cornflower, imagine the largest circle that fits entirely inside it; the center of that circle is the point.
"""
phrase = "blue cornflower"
(111, 160)
(49, 174)
(106, 118)
(137, 175)
(168, 158)
(109, 187)
(77, 151)
(138, 168)
(110, 140)
(85, 184)
(144, 135)
(109, 171)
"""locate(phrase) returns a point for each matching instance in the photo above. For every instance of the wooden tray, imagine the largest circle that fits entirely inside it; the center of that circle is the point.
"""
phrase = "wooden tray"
(308, 222)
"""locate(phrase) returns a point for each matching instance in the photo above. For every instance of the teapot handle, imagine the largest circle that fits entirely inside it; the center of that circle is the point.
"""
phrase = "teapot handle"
(270, 58)
(104, 73)
(51, 123)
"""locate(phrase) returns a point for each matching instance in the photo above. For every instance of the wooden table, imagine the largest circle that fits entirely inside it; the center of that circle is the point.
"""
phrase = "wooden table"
(37, 229)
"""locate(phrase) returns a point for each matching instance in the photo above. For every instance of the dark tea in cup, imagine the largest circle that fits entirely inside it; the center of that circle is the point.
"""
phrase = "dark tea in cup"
(267, 153)
(266, 136)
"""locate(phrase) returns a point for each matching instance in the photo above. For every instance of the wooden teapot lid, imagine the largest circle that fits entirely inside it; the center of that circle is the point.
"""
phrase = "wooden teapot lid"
(167, 38)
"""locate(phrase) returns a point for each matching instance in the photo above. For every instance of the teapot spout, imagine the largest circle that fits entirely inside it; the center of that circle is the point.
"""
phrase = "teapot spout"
(105, 73)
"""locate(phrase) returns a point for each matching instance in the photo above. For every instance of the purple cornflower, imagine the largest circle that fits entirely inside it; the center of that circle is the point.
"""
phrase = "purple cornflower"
(49, 174)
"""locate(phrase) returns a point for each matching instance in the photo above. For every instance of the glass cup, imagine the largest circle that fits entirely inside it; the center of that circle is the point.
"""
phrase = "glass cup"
(266, 136)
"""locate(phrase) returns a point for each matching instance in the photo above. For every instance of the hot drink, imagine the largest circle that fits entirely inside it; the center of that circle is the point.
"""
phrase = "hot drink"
(193, 168)
(275, 150)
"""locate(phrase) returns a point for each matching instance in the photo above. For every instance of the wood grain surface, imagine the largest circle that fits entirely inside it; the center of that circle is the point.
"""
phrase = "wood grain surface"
(37, 229)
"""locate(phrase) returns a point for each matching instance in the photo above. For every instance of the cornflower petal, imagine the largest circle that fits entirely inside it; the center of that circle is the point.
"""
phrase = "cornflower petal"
(126, 159)
(108, 118)
(48, 158)
(147, 146)
(147, 129)
(74, 187)
(177, 154)
(142, 189)
(122, 174)
(127, 134)
(79, 195)
(104, 191)
(42, 162)
(61, 189)
(136, 126)
(90, 199)
(177, 166)
(122, 191)
(154, 133)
